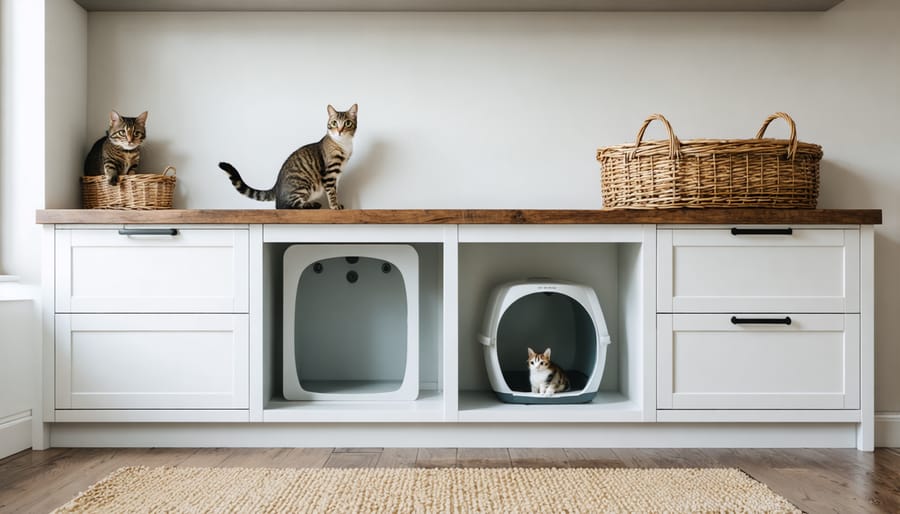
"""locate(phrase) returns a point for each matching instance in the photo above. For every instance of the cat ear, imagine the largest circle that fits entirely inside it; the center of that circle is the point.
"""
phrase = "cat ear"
(331, 110)
(352, 110)
(547, 353)
(531, 353)
(142, 118)
(114, 117)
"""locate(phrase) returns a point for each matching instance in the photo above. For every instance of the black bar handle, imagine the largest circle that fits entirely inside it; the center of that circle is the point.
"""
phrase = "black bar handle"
(761, 321)
(762, 231)
(148, 231)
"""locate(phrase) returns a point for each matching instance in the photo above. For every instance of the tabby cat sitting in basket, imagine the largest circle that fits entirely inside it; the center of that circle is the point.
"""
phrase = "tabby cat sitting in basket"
(309, 172)
(119, 151)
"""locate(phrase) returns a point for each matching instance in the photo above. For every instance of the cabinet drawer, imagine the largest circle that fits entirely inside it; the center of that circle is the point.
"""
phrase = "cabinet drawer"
(152, 361)
(193, 270)
(714, 361)
(713, 270)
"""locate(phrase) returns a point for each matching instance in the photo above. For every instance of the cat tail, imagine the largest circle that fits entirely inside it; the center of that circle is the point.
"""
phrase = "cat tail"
(243, 188)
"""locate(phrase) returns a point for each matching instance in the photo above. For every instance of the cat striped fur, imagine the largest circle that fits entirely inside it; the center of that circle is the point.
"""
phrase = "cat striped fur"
(118, 152)
(310, 171)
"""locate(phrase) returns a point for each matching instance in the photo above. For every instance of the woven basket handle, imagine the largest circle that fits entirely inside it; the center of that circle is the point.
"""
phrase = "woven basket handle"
(169, 168)
(674, 143)
(792, 146)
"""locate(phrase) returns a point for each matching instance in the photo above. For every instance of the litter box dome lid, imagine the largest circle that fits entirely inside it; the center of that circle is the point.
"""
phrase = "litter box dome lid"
(504, 295)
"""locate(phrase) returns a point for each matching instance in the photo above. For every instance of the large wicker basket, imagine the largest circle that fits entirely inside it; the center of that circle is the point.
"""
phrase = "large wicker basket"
(141, 191)
(773, 173)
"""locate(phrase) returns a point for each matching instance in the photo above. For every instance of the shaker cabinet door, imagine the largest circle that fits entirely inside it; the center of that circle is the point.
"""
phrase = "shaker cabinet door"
(758, 270)
(758, 361)
(152, 361)
(152, 270)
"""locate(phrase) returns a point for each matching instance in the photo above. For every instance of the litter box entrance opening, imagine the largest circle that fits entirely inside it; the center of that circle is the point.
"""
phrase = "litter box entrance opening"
(546, 320)
(350, 326)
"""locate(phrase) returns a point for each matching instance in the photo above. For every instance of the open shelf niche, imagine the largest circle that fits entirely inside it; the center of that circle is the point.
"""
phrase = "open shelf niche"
(613, 269)
(616, 261)
(428, 405)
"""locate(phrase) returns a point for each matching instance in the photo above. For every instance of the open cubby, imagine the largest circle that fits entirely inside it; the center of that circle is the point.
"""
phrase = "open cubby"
(453, 383)
(367, 379)
(611, 269)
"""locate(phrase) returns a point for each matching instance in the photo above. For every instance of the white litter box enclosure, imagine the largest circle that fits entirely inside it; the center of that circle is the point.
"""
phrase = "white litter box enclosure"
(540, 313)
(351, 322)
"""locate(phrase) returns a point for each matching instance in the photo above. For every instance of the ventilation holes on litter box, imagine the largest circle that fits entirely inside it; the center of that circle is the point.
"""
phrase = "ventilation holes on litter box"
(317, 267)
(385, 268)
(352, 260)
(352, 276)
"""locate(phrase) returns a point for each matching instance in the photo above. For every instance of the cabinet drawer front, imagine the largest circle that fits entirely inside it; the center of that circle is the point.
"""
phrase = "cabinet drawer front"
(707, 361)
(712, 270)
(152, 361)
(195, 270)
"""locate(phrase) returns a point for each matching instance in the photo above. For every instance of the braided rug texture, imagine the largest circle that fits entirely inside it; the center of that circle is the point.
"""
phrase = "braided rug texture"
(507, 490)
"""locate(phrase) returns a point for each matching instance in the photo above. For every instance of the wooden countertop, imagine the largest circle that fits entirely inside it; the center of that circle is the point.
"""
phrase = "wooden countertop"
(466, 216)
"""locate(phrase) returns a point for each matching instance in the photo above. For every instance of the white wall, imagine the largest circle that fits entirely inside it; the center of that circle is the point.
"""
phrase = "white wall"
(66, 66)
(506, 110)
(21, 136)
(40, 136)
(487, 110)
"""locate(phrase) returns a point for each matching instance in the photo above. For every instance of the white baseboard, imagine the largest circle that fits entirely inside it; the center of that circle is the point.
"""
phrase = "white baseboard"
(614, 435)
(887, 434)
(15, 435)
(887, 429)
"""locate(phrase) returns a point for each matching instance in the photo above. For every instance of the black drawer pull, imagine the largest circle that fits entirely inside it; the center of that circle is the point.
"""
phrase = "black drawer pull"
(761, 321)
(762, 231)
(148, 231)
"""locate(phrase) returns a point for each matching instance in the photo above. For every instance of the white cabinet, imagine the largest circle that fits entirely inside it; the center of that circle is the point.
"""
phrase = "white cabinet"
(151, 361)
(756, 361)
(183, 325)
(151, 270)
(758, 318)
(151, 318)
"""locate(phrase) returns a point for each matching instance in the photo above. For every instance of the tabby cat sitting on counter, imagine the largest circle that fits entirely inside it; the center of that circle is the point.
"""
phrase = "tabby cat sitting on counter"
(119, 151)
(311, 170)
(546, 377)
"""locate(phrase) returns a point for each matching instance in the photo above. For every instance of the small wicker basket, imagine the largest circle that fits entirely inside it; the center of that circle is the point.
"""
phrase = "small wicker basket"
(141, 191)
(773, 173)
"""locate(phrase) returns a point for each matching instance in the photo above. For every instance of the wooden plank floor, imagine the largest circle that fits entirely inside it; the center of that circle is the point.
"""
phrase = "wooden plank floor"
(830, 480)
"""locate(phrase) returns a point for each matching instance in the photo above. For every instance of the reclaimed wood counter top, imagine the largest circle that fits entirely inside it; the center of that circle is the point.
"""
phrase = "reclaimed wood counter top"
(466, 216)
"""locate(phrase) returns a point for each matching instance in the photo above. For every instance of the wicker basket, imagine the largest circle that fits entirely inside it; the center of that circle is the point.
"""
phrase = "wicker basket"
(772, 173)
(142, 191)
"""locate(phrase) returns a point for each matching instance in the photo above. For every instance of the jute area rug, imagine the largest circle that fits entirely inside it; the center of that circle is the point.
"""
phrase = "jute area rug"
(167, 489)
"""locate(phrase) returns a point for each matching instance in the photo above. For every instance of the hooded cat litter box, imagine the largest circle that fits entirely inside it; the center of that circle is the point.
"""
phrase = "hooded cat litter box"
(543, 314)
(351, 322)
